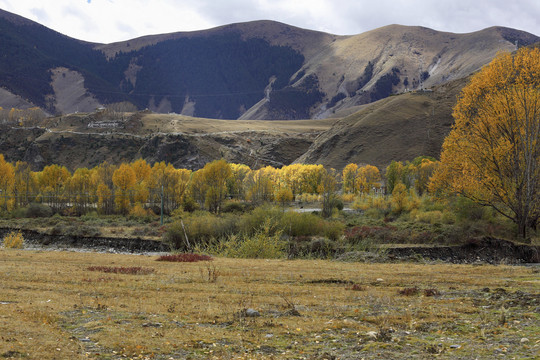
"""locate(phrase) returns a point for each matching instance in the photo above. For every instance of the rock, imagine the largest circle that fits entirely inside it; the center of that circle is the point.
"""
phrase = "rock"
(455, 346)
(156, 325)
(372, 334)
(524, 340)
(252, 313)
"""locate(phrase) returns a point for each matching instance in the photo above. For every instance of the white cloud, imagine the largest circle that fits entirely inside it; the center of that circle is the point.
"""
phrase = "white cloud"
(115, 20)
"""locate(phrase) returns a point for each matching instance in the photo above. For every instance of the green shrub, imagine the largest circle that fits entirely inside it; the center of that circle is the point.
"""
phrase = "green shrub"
(323, 248)
(428, 217)
(190, 205)
(260, 245)
(82, 230)
(234, 207)
(301, 224)
(201, 228)
(376, 213)
(333, 230)
(38, 210)
(252, 222)
(466, 209)
(175, 238)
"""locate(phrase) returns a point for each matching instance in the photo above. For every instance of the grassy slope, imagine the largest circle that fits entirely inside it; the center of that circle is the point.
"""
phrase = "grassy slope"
(52, 307)
(396, 128)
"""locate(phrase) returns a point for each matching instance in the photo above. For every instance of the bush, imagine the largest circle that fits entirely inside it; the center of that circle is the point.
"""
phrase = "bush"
(38, 210)
(428, 217)
(251, 223)
(234, 207)
(322, 248)
(14, 240)
(137, 211)
(201, 228)
(467, 209)
(32, 211)
(190, 205)
(261, 245)
(76, 230)
(333, 230)
(301, 224)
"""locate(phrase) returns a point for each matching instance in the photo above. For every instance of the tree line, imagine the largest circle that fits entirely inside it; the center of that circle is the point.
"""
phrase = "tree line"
(118, 189)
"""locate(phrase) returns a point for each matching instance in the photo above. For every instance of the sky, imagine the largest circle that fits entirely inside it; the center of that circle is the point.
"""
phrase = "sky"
(107, 21)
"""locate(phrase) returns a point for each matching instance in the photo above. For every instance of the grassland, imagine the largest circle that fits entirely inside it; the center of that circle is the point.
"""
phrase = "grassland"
(53, 307)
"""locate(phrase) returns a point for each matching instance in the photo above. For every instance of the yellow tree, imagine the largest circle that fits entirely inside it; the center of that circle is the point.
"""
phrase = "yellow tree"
(311, 177)
(492, 154)
(104, 196)
(25, 183)
(197, 187)
(142, 173)
(283, 196)
(349, 178)
(163, 176)
(7, 181)
(216, 175)
(103, 175)
(52, 181)
(423, 172)
(236, 183)
(183, 176)
(82, 189)
(289, 177)
(261, 184)
(328, 190)
(142, 170)
(367, 178)
(124, 180)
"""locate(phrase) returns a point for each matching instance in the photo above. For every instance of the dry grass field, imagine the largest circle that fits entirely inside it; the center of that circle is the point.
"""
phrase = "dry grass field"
(66, 305)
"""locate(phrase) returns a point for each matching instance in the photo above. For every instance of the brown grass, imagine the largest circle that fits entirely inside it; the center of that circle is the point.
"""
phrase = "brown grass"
(185, 258)
(52, 307)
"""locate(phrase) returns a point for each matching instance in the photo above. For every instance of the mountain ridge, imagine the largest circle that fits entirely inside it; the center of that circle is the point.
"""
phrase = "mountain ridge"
(383, 95)
(230, 71)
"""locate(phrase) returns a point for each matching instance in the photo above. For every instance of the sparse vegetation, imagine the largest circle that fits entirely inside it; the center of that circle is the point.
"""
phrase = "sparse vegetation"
(52, 307)
(13, 240)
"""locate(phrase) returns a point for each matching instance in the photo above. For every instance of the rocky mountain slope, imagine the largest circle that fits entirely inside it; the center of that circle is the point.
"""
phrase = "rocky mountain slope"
(87, 140)
(255, 70)
(399, 127)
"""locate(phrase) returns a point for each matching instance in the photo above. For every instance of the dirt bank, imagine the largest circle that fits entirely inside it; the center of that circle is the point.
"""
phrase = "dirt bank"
(485, 249)
(481, 250)
(97, 244)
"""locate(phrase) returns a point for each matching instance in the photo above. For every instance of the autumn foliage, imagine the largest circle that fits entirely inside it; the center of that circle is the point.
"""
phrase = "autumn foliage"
(138, 188)
(492, 154)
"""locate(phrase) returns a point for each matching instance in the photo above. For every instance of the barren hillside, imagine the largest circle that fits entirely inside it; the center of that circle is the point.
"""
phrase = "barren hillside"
(254, 70)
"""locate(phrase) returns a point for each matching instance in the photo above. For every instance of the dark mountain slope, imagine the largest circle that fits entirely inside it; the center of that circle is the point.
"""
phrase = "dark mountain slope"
(30, 51)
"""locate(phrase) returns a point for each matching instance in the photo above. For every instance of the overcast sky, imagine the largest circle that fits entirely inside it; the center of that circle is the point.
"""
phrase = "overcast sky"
(107, 21)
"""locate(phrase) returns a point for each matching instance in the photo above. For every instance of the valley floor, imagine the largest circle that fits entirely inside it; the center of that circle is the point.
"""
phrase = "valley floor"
(66, 305)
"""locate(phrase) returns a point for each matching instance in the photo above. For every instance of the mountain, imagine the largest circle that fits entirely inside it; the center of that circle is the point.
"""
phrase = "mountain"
(255, 70)
(399, 127)
(86, 140)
